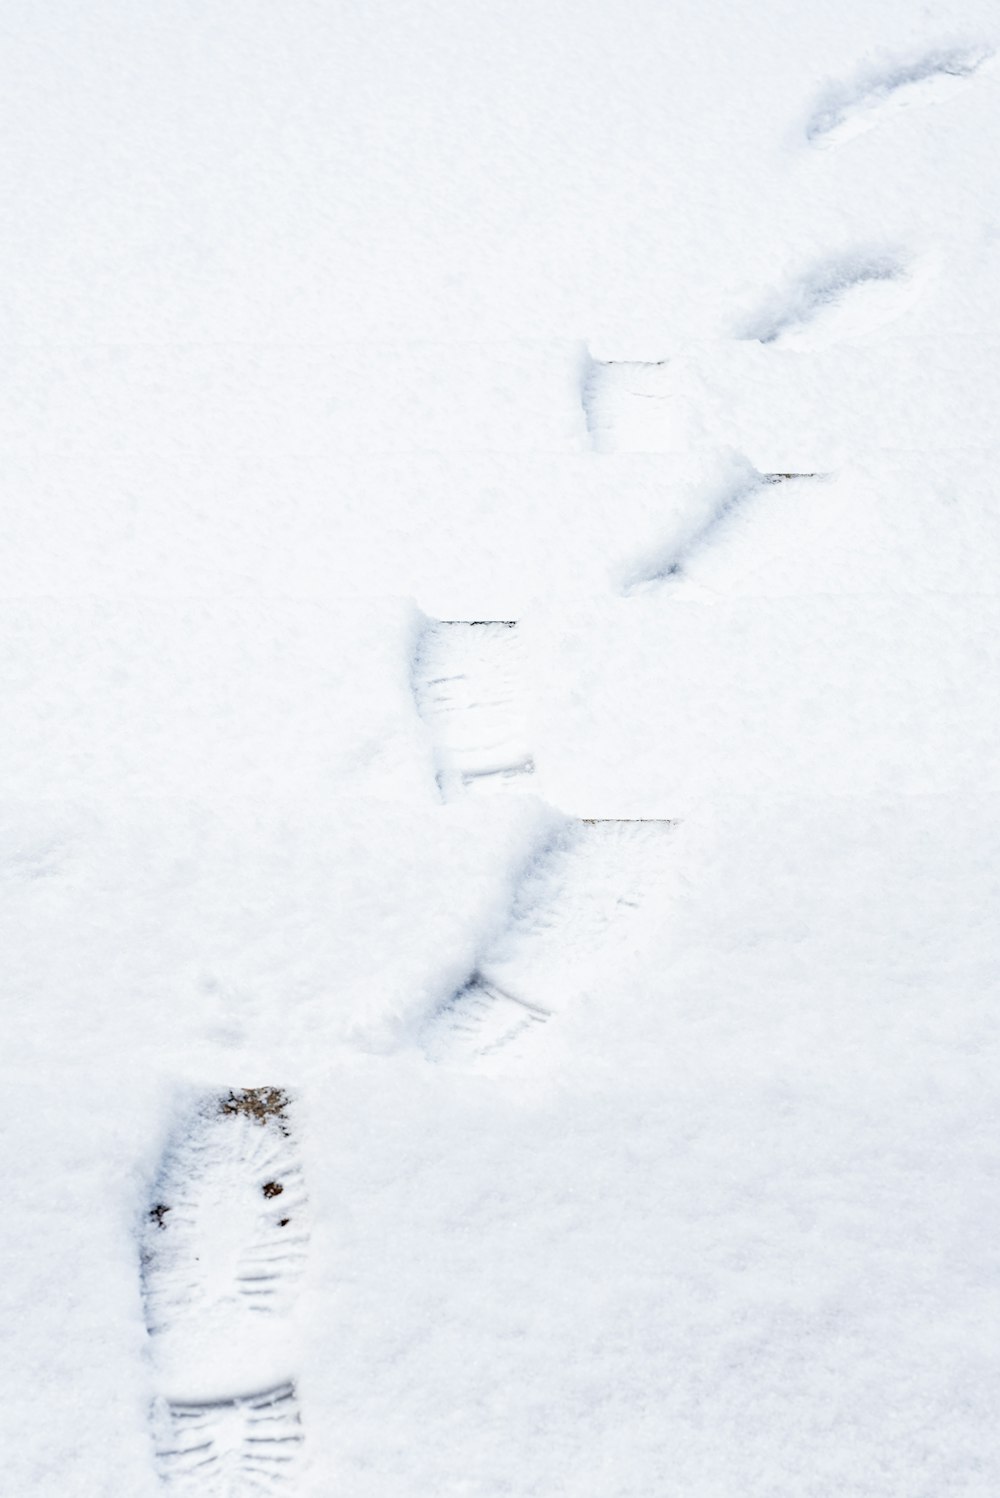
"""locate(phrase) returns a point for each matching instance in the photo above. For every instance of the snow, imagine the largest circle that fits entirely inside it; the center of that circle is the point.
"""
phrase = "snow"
(469, 687)
(597, 406)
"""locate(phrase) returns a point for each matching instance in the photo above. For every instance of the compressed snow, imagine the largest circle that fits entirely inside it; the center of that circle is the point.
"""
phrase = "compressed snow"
(666, 333)
(468, 682)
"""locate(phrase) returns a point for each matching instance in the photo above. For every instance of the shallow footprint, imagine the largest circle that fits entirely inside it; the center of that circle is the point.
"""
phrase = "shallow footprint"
(574, 915)
(850, 109)
(637, 406)
(479, 1020)
(247, 1447)
(468, 681)
(711, 507)
(837, 300)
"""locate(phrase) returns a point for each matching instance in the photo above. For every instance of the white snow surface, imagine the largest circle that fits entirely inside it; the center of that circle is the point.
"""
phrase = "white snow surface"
(669, 333)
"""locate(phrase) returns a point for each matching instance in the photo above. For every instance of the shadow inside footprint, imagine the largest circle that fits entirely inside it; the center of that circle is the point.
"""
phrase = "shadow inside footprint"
(574, 916)
(843, 297)
(849, 109)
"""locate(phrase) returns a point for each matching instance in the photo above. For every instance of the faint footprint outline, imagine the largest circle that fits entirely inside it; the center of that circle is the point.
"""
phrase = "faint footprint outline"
(468, 679)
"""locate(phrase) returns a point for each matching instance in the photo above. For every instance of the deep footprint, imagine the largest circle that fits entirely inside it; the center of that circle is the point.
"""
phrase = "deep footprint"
(226, 1236)
(468, 682)
(248, 1447)
(850, 109)
(573, 915)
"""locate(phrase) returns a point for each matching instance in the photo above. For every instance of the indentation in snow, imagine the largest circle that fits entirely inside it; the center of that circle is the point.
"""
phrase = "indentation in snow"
(573, 919)
(711, 507)
(849, 109)
(480, 1019)
(637, 406)
(468, 681)
(226, 1235)
(247, 1447)
(836, 300)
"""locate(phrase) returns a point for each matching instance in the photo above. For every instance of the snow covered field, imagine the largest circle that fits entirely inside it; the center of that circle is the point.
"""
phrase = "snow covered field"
(499, 792)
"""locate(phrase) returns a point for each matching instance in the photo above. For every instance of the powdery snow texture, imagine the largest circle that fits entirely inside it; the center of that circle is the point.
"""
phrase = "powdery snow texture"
(666, 331)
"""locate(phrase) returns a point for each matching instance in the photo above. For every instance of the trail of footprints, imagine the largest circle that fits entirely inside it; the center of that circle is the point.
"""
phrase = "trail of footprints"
(225, 1242)
(223, 1251)
(609, 391)
(633, 406)
(853, 294)
(226, 1236)
(469, 689)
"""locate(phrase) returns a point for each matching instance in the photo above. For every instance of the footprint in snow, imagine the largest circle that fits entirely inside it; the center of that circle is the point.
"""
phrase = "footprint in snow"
(225, 1239)
(837, 300)
(468, 682)
(480, 1019)
(637, 406)
(573, 916)
(849, 109)
(709, 515)
(248, 1447)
